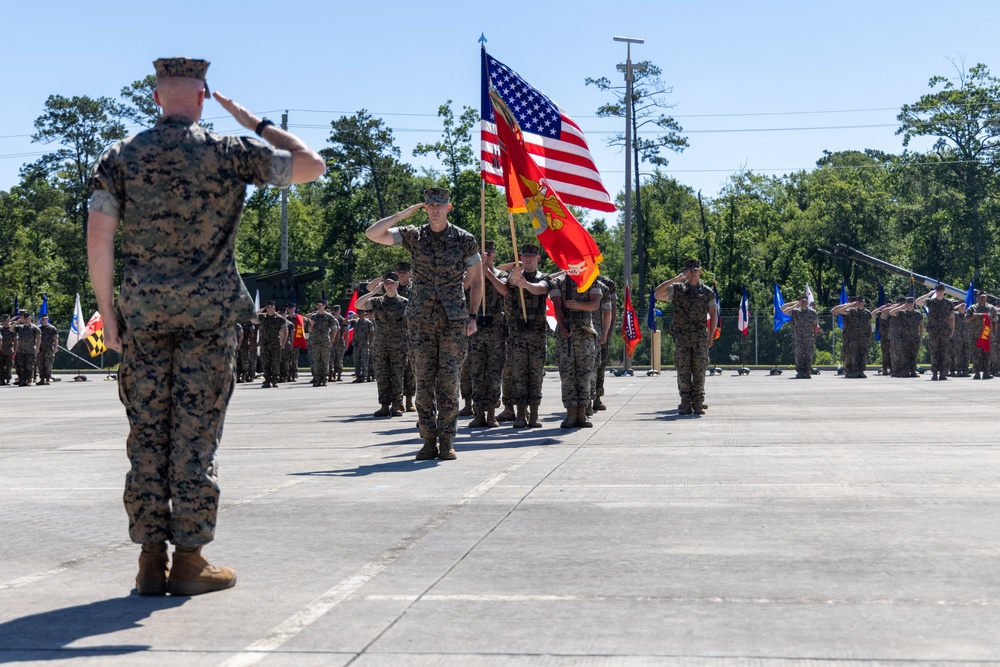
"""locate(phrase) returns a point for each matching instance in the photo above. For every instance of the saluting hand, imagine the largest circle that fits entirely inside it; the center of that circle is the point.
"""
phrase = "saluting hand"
(243, 116)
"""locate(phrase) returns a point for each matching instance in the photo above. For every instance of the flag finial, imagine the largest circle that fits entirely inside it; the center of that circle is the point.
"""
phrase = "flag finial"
(482, 38)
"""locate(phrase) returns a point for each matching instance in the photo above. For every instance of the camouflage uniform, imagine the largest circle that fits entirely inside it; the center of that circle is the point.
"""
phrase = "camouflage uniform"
(364, 333)
(857, 339)
(526, 342)
(390, 346)
(939, 312)
(576, 354)
(691, 306)
(804, 340)
(179, 192)
(439, 314)
(885, 343)
(409, 378)
(337, 351)
(896, 344)
(246, 367)
(608, 302)
(488, 348)
(28, 336)
(285, 363)
(981, 360)
(961, 347)
(271, 327)
(7, 338)
(47, 352)
(909, 341)
(324, 325)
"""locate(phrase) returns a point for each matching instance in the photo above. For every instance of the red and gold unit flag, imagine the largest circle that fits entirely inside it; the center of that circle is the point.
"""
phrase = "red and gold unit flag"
(631, 333)
(984, 337)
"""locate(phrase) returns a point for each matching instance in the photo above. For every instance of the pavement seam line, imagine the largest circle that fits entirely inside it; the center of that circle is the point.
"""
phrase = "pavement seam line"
(305, 617)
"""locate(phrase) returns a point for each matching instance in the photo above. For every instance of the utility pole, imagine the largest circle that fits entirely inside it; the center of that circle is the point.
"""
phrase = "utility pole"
(284, 209)
(627, 69)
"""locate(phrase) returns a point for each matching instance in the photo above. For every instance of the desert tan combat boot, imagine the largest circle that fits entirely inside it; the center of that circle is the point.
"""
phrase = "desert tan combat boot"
(599, 405)
(397, 409)
(466, 410)
(191, 574)
(571, 415)
(521, 421)
(491, 420)
(446, 451)
(508, 413)
(153, 571)
(533, 416)
(383, 411)
(429, 450)
(409, 404)
(480, 419)
(581, 417)
(589, 409)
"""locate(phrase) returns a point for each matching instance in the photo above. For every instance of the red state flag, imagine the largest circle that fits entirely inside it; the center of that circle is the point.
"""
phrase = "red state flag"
(352, 312)
(562, 236)
(631, 333)
(300, 334)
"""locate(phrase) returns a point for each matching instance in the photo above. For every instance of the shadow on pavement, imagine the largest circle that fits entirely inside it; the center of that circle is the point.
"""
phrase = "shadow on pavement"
(48, 635)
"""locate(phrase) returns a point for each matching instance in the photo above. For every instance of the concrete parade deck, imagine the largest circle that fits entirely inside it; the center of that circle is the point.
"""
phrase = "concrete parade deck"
(799, 522)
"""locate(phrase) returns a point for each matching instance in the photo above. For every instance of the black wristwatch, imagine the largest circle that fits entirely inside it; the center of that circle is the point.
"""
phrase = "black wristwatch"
(472, 316)
(261, 125)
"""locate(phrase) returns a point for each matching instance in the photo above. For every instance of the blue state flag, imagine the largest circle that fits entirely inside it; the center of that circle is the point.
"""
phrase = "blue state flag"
(970, 296)
(780, 318)
(654, 312)
(44, 310)
(843, 300)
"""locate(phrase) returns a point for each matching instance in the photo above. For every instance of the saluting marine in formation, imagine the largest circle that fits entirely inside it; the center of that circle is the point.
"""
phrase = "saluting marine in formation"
(390, 343)
(576, 346)
(805, 323)
(46, 350)
(488, 346)
(7, 340)
(29, 342)
(323, 328)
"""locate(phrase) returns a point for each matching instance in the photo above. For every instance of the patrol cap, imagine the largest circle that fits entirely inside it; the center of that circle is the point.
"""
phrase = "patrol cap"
(910, 299)
(529, 249)
(403, 266)
(336, 306)
(980, 293)
(22, 313)
(391, 275)
(189, 68)
(939, 287)
(803, 297)
(901, 299)
(269, 303)
(4, 317)
(490, 246)
(437, 195)
(860, 297)
(691, 264)
(853, 297)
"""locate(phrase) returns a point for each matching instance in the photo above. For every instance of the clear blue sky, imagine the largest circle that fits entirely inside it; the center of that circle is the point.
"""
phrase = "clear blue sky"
(734, 66)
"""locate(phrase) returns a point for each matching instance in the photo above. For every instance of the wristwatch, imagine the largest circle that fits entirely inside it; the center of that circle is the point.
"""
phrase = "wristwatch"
(261, 125)
(472, 316)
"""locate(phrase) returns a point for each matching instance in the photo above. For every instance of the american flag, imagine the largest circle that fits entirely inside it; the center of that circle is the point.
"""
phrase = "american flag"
(554, 141)
(743, 323)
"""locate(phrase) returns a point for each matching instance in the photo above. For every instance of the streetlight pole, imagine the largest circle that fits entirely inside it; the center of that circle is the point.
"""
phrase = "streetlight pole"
(627, 69)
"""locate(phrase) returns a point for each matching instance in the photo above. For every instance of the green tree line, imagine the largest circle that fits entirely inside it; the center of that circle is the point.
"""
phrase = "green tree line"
(933, 212)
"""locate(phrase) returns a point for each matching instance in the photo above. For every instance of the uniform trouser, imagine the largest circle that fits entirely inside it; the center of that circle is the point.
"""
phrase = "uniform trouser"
(248, 362)
(487, 351)
(939, 344)
(292, 371)
(337, 359)
(900, 367)
(603, 354)
(527, 365)
(175, 388)
(886, 346)
(507, 381)
(44, 362)
(241, 362)
(270, 361)
(390, 365)
(960, 353)
(363, 361)
(283, 363)
(691, 362)
(575, 356)
(440, 347)
(981, 362)
(804, 355)
(409, 377)
(466, 382)
(6, 360)
(319, 357)
(856, 356)
(25, 364)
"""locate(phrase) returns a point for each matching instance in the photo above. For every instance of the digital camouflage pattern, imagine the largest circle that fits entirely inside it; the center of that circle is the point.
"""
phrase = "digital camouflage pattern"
(608, 302)
(28, 338)
(575, 355)
(939, 312)
(690, 331)
(179, 191)
(390, 345)
(438, 313)
(364, 335)
(246, 362)
(175, 388)
(526, 342)
(804, 340)
(337, 352)
(271, 327)
(961, 347)
(488, 348)
(981, 360)
(320, 339)
(47, 351)
(909, 342)
(857, 340)
(7, 339)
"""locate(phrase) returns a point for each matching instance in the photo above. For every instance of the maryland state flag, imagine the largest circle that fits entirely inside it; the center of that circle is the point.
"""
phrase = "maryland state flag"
(95, 335)
(984, 337)
(631, 333)
(565, 240)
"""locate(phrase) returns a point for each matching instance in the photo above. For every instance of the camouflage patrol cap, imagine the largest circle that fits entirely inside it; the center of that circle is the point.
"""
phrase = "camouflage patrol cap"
(189, 68)
(490, 246)
(403, 266)
(939, 287)
(802, 297)
(4, 317)
(22, 313)
(336, 306)
(910, 299)
(691, 264)
(269, 303)
(391, 275)
(529, 249)
(437, 195)
(852, 298)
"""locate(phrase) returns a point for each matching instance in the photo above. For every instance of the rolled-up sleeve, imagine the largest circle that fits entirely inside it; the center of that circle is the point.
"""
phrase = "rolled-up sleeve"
(104, 202)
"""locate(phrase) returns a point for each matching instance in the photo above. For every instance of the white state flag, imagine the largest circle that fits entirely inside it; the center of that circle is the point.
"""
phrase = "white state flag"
(76, 329)
(810, 300)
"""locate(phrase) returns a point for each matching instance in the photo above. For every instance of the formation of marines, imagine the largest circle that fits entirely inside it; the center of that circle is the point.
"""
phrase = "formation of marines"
(27, 349)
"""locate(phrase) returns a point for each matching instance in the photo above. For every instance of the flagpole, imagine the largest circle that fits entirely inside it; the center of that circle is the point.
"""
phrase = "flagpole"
(517, 262)
(482, 242)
